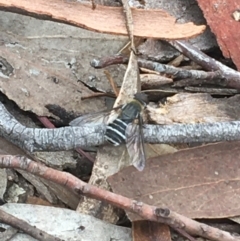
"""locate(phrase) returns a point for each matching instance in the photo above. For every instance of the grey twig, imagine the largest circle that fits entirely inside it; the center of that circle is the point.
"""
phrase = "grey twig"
(67, 138)
(109, 60)
(231, 76)
(179, 72)
(186, 133)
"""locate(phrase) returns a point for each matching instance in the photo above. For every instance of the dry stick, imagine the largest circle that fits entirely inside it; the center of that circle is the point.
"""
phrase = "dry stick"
(27, 228)
(189, 82)
(197, 55)
(178, 72)
(129, 23)
(108, 60)
(97, 95)
(148, 212)
(232, 77)
(216, 91)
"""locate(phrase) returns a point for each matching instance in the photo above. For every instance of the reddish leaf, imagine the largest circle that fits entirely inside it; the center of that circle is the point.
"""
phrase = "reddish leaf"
(150, 231)
(106, 19)
(202, 182)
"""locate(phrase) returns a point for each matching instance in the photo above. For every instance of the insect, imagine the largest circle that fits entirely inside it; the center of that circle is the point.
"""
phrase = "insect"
(120, 127)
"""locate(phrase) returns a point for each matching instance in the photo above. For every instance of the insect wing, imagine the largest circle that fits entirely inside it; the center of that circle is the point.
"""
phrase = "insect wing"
(95, 118)
(135, 145)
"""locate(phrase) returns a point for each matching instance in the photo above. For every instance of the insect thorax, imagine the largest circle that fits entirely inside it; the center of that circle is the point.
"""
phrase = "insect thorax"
(130, 111)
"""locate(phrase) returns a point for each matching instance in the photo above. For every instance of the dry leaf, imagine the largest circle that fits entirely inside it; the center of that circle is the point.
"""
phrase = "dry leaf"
(150, 231)
(200, 182)
(48, 61)
(37, 201)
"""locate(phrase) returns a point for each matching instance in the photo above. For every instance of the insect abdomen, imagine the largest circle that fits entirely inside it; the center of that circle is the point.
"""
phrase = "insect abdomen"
(115, 132)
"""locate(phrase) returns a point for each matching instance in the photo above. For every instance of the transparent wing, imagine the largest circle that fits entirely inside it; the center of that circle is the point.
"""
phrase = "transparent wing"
(101, 117)
(135, 145)
(94, 118)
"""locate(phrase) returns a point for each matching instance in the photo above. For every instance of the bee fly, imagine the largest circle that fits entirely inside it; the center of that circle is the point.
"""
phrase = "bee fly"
(119, 131)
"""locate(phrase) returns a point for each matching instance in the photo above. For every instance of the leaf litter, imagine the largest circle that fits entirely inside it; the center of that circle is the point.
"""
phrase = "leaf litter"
(201, 182)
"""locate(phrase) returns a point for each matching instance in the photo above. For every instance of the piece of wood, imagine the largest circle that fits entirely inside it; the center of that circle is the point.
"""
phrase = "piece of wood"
(220, 18)
(150, 23)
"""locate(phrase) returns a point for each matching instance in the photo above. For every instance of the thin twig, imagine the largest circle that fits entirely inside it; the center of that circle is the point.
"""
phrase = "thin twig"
(231, 76)
(129, 23)
(148, 212)
(212, 91)
(179, 73)
(46, 122)
(112, 83)
(199, 82)
(97, 95)
(108, 60)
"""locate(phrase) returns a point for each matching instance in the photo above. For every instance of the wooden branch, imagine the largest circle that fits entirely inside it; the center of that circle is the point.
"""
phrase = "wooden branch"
(152, 213)
(48, 124)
